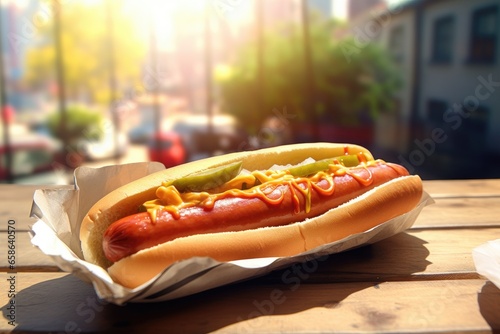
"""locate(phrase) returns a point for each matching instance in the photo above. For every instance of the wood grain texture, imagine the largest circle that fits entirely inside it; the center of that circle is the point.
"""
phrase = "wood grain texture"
(16, 201)
(58, 303)
(460, 212)
(28, 257)
(16, 205)
(463, 188)
(413, 255)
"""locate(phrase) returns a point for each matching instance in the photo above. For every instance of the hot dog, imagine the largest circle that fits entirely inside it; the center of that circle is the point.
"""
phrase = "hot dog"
(198, 210)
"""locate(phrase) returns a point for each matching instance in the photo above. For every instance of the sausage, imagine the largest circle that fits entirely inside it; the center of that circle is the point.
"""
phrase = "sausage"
(283, 204)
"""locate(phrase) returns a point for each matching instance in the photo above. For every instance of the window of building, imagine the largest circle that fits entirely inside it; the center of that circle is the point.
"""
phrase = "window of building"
(396, 43)
(442, 46)
(484, 35)
(471, 135)
(435, 110)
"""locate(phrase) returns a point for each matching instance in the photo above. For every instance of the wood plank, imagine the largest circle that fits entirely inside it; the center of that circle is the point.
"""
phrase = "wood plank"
(60, 303)
(28, 257)
(460, 212)
(463, 188)
(16, 205)
(413, 255)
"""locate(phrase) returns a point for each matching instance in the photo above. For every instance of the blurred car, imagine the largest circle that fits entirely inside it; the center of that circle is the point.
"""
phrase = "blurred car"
(142, 133)
(224, 136)
(104, 148)
(144, 128)
(32, 153)
(58, 176)
(167, 148)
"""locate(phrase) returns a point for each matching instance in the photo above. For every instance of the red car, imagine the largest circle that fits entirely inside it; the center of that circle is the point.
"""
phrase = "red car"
(167, 148)
(31, 152)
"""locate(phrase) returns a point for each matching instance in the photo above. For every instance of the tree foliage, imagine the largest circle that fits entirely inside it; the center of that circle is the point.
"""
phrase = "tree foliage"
(81, 123)
(85, 48)
(349, 88)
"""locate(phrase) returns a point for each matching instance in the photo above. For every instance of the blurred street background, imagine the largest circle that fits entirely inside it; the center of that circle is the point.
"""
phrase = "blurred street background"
(99, 82)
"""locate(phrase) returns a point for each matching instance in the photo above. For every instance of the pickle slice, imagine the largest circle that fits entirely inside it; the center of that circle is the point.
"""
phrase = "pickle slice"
(209, 179)
(351, 160)
(321, 165)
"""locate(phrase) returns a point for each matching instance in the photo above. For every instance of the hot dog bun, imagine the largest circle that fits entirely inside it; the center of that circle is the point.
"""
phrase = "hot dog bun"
(374, 207)
(126, 199)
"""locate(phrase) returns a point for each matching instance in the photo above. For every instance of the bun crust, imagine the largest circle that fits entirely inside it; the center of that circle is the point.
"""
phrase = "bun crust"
(373, 208)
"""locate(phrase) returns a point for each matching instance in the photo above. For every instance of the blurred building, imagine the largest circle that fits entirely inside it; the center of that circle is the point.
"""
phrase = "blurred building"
(13, 51)
(18, 35)
(359, 8)
(448, 54)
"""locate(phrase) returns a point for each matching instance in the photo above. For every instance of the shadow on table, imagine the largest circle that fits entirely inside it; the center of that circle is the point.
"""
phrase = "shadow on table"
(489, 304)
(68, 305)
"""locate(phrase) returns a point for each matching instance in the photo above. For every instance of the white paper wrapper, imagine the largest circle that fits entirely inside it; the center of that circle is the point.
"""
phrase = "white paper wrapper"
(487, 260)
(60, 212)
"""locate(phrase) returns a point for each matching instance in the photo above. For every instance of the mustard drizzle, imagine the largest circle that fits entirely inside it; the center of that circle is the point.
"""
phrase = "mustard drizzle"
(170, 200)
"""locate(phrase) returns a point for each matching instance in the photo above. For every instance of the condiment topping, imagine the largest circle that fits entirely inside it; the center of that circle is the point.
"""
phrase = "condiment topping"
(269, 186)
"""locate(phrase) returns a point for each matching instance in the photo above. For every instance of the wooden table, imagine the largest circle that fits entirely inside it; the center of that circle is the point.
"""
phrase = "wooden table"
(422, 280)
